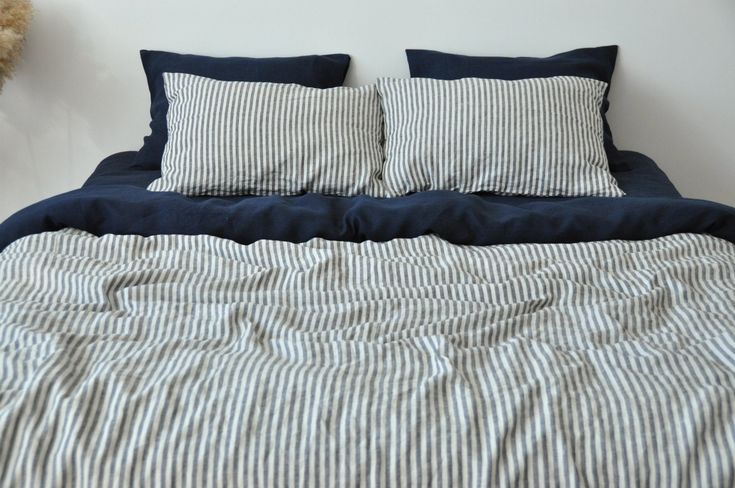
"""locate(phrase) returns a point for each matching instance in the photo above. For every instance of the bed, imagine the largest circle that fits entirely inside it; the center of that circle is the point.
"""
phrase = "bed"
(453, 279)
(433, 339)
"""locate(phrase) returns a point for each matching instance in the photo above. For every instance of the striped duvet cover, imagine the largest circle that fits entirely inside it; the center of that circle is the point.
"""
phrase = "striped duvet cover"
(196, 361)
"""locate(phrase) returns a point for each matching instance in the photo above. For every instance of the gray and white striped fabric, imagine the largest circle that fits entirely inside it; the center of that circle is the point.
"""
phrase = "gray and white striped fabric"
(237, 138)
(540, 137)
(195, 361)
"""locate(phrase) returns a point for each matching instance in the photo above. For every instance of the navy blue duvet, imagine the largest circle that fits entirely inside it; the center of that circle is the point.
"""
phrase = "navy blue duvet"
(114, 200)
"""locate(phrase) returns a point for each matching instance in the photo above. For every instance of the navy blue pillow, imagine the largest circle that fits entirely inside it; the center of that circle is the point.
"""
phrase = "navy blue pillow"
(315, 71)
(597, 63)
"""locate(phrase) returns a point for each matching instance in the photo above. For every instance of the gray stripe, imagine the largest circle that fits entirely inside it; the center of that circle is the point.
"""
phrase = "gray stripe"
(195, 361)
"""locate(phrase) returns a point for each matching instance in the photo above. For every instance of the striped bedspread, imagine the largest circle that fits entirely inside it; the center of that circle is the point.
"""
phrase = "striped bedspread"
(195, 361)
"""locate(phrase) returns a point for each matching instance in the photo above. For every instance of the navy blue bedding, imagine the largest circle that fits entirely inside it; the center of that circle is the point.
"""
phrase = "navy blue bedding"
(114, 200)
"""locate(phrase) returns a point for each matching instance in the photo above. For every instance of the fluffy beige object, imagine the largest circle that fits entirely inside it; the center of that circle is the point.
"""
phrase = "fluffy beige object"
(15, 15)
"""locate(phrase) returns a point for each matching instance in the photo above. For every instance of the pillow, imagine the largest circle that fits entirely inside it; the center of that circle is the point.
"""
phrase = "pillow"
(249, 138)
(316, 71)
(597, 63)
(537, 136)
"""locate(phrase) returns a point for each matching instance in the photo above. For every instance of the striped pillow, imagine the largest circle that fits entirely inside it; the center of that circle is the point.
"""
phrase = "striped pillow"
(255, 138)
(539, 136)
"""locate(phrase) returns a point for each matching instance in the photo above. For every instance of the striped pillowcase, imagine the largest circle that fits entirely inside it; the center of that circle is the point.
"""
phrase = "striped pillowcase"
(255, 138)
(540, 136)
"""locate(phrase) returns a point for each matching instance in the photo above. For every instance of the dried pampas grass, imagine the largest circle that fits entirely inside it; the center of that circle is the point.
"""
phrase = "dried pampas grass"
(15, 15)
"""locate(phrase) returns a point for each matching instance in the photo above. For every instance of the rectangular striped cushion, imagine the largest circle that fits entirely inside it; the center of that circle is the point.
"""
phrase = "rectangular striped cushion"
(254, 138)
(539, 136)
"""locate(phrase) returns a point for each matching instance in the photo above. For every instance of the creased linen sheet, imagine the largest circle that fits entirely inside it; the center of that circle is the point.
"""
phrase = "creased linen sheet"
(196, 361)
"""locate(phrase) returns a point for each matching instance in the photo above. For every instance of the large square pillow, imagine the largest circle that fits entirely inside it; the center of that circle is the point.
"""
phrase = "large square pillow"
(317, 71)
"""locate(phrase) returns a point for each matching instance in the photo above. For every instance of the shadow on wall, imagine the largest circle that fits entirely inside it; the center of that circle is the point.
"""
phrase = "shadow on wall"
(59, 78)
(688, 149)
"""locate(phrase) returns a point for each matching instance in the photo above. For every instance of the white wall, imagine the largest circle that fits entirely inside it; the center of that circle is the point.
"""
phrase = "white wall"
(80, 93)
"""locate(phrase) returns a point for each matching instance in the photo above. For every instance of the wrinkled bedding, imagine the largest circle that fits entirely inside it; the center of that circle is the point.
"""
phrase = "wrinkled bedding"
(197, 361)
(115, 201)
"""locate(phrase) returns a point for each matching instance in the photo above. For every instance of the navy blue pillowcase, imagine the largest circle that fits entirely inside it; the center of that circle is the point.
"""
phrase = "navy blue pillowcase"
(317, 71)
(597, 63)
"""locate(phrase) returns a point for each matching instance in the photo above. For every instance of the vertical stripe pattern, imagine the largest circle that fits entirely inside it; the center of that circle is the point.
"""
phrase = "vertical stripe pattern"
(195, 361)
(539, 136)
(236, 138)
